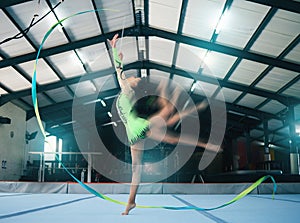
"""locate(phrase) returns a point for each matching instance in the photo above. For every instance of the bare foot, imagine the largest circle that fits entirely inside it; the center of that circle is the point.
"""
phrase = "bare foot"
(129, 207)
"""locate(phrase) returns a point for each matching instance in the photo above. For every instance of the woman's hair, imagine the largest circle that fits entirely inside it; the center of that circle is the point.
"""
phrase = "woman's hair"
(145, 93)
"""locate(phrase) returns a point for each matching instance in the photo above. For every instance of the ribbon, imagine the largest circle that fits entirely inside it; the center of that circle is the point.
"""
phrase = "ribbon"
(236, 198)
(91, 190)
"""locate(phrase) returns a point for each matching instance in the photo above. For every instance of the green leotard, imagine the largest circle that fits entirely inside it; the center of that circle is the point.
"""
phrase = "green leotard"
(136, 127)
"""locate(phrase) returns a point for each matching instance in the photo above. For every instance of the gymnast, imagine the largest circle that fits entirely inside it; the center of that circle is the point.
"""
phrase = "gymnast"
(138, 128)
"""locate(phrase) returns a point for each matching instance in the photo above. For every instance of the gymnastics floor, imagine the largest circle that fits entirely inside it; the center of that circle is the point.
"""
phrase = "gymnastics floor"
(79, 208)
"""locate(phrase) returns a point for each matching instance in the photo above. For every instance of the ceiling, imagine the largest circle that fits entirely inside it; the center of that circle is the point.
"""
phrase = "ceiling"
(250, 47)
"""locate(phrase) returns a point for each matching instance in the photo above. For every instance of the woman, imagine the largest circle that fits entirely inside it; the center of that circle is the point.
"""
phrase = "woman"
(138, 128)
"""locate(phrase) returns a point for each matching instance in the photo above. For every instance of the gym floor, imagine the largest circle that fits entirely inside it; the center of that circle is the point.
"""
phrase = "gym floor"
(25, 207)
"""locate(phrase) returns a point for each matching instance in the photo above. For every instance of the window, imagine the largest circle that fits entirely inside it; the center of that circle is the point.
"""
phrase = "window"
(52, 145)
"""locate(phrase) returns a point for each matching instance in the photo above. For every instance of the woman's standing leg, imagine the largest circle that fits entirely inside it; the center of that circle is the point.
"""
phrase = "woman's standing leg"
(137, 157)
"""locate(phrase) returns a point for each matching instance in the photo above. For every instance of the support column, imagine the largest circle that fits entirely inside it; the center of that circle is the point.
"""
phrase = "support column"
(294, 154)
(248, 148)
(235, 155)
(89, 176)
(267, 155)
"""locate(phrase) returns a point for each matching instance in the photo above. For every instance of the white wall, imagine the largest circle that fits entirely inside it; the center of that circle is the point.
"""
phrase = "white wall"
(12, 142)
(36, 144)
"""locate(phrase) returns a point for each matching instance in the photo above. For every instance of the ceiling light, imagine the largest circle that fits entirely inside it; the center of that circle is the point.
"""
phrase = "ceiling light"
(103, 103)
(91, 102)
(193, 87)
(143, 73)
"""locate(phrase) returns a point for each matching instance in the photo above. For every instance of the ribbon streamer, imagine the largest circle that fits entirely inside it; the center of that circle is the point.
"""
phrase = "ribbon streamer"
(91, 190)
(236, 198)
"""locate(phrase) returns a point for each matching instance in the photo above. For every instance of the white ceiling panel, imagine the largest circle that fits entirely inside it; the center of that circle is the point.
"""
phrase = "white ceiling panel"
(276, 79)
(161, 50)
(156, 76)
(278, 138)
(282, 29)
(202, 18)
(217, 64)
(128, 46)
(256, 133)
(42, 100)
(116, 14)
(190, 58)
(247, 71)
(95, 57)
(229, 95)
(68, 64)
(205, 89)
(13, 80)
(131, 73)
(81, 26)
(23, 14)
(284, 130)
(294, 90)
(59, 94)
(251, 101)
(14, 47)
(83, 88)
(294, 54)
(45, 74)
(105, 83)
(185, 83)
(242, 20)
(274, 124)
(165, 14)
(272, 107)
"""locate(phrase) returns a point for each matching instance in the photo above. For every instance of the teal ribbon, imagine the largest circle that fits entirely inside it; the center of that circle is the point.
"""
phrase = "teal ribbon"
(91, 190)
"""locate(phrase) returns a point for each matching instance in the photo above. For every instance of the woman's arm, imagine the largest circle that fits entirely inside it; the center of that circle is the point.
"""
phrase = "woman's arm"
(118, 61)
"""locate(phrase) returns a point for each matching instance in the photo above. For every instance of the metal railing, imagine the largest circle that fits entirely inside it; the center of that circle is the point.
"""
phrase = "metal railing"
(41, 171)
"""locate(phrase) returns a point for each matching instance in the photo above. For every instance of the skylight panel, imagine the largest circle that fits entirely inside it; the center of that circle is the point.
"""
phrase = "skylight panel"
(190, 58)
(272, 107)
(202, 17)
(45, 74)
(247, 71)
(161, 50)
(13, 80)
(68, 64)
(276, 79)
(281, 30)
(217, 64)
(82, 26)
(243, 19)
(251, 100)
(59, 94)
(165, 14)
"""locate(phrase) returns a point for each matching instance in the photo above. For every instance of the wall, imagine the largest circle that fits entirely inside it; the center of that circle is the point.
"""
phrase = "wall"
(36, 144)
(12, 142)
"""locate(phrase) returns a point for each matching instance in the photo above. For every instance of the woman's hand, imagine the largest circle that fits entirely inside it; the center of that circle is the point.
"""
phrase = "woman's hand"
(114, 40)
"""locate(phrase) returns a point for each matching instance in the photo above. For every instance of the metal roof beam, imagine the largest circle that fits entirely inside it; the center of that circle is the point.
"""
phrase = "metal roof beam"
(222, 49)
(152, 65)
(147, 31)
(62, 83)
(288, 5)
(4, 4)
(208, 79)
